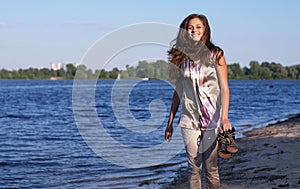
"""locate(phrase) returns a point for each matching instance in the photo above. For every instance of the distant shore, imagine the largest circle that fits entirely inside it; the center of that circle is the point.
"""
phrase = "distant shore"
(268, 157)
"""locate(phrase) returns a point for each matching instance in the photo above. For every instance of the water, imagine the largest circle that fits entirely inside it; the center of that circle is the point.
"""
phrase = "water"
(41, 146)
(258, 103)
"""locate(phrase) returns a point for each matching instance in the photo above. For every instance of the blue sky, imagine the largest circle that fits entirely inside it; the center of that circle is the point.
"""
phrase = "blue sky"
(36, 33)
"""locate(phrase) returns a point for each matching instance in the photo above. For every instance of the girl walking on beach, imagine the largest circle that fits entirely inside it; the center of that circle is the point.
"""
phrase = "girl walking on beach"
(200, 73)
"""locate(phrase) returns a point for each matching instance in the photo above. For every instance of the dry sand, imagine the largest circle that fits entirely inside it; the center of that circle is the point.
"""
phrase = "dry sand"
(268, 157)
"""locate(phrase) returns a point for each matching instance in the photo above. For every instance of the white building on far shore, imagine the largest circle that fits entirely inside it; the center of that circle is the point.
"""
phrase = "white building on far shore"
(59, 66)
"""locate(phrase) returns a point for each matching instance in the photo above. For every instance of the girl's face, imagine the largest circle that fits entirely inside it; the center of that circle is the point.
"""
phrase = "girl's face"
(196, 29)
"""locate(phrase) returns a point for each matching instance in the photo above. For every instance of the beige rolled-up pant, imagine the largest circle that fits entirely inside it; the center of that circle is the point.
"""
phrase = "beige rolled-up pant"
(201, 148)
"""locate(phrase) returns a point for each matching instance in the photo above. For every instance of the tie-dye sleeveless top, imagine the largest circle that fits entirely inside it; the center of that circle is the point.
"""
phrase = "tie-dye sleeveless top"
(200, 95)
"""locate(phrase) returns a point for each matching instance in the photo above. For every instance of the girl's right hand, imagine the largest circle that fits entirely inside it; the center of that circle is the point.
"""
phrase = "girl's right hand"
(168, 133)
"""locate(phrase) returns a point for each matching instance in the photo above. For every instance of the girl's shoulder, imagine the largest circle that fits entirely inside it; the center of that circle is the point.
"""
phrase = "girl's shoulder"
(216, 52)
(214, 48)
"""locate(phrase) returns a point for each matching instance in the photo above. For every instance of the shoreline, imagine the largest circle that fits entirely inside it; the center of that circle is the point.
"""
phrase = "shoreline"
(268, 157)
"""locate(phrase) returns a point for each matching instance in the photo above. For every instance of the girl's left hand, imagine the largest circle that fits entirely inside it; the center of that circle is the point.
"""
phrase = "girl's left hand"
(226, 125)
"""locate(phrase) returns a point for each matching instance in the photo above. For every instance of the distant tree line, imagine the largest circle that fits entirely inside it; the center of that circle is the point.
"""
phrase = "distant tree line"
(263, 71)
(43, 73)
(46, 74)
(156, 70)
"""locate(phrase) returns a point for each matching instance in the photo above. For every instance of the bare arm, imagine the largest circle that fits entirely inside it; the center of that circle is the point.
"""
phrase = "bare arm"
(174, 108)
(225, 94)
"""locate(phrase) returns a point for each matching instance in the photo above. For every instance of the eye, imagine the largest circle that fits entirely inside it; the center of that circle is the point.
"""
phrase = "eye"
(190, 28)
(199, 26)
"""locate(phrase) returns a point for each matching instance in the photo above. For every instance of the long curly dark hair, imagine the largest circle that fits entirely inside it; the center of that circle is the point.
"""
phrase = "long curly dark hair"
(184, 47)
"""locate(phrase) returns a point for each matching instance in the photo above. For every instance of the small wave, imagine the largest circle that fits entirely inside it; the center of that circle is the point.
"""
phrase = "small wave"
(30, 163)
(23, 116)
(4, 164)
(164, 165)
(249, 127)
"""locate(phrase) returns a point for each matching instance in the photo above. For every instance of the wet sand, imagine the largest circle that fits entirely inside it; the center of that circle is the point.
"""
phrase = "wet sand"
(268, 157)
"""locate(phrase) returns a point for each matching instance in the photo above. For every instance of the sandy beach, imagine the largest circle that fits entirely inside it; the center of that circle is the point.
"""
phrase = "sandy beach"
(268, 157)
